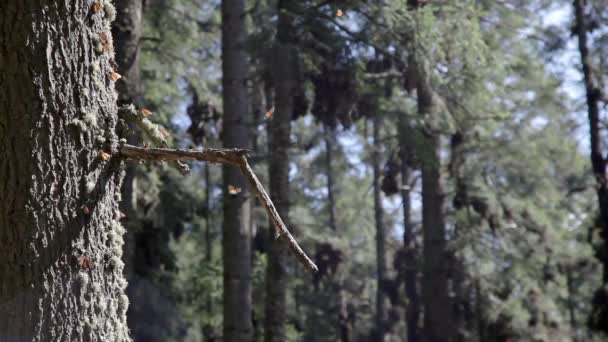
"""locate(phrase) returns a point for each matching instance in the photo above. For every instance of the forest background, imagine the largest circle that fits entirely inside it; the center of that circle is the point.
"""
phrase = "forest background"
(443, 163)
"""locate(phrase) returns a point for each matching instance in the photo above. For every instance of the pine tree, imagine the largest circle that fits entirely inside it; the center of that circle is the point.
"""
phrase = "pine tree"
(61, 241)
(235, 133)
(279, 143)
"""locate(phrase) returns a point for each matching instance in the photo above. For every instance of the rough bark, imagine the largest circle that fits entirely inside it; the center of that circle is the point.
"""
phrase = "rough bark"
(381, 313)
(60, 239)
(235, 133)
(434, 280)
(599, 315)
(279, 132)
(410, 275)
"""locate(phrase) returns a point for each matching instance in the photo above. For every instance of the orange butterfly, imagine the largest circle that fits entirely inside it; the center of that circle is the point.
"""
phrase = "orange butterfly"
(115, 76)
(97, 7)
(84, 262)
(269, 114)
(164, 132)
(233, 190)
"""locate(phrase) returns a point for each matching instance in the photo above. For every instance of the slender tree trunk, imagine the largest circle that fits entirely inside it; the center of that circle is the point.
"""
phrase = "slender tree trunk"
(208, 228)
(571, 303)
(60, 239)
(279, 132)
(235, 133)
(329, 138)
(457, 270)
(410, 277)
(434, 281)
(381, 313)
(599, 314)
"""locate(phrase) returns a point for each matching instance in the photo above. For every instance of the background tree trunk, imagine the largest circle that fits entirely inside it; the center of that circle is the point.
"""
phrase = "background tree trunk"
(381, 314)
(599, 315)
(434, 281)
(235, 133)
(60, 239)
(279, 138)
(412, 311)
(330, 139)
(126, 31)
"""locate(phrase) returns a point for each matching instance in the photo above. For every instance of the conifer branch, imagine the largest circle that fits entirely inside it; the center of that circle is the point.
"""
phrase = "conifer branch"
(235, 157)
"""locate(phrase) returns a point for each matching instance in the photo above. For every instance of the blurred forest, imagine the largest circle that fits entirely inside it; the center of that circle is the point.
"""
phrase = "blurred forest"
(442, 162)
(433, 157)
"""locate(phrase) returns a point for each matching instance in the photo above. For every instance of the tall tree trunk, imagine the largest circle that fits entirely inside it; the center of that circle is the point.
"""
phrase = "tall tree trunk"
(208, 227)
(279, 133)
(235, 133)
(329, 138)
(381, 313)
(434, 281)
(457, 271)
(60, 239)
(599, 315)
(571, 302)
(126, 31)
(411, 264)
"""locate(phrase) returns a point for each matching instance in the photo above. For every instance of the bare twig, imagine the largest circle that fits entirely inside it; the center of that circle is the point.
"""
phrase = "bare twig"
(236, 157)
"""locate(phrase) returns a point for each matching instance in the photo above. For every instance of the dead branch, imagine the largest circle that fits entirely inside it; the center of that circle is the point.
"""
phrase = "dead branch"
(155, 133)
(235, 157)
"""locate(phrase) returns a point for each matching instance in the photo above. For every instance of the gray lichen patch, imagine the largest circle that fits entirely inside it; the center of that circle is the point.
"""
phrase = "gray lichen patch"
(123, 304)
(116, 264)
(79, 124)
(90, 183)
(110, 11)
(81, 281)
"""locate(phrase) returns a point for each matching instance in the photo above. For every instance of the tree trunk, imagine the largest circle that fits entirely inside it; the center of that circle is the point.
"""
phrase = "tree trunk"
(599, 315)
(235, 133)
(571, 303)
(460, 301)
(208, 227)
(126, 31)
(411, 264)
(381, 314)
(279, 132)
(60, 239)
(434, 281)
(329, 138)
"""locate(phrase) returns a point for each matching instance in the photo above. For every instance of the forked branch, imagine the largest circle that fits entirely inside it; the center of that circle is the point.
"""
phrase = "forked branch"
(235, 157)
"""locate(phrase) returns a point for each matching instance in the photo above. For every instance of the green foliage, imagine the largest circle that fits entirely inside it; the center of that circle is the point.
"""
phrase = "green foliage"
(520, 236)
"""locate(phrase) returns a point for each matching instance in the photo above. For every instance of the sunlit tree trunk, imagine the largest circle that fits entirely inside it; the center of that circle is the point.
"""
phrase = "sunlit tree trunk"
(60, 240)
(235, 133)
